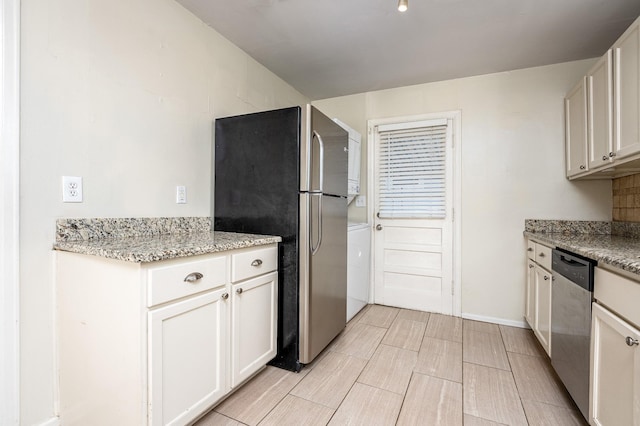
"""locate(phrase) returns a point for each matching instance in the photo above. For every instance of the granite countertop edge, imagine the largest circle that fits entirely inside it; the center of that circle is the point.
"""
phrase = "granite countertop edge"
(166, 246)
(612, 250)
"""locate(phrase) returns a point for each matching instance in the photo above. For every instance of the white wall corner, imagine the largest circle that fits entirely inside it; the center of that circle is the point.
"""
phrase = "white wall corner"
(9, 214)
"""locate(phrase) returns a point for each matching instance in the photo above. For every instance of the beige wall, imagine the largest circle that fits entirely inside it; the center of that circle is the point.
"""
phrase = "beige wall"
(512, 169)
(123, 94)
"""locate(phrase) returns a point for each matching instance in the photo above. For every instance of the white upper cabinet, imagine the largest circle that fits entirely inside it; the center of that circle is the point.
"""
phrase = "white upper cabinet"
(627, 92)
(600, 112)
(575, 105)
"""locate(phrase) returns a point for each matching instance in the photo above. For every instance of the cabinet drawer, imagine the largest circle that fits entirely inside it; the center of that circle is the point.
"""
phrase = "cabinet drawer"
(168, 282)
(531, 250)
(618, 293)
(543, 256)
(253, 263)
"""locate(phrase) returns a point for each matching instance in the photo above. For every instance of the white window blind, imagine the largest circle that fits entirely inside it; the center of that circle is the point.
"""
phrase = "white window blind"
(412, 170)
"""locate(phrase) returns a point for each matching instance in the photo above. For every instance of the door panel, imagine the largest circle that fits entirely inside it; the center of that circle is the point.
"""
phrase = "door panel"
(335, 141)
(323, 303)
(413, 257)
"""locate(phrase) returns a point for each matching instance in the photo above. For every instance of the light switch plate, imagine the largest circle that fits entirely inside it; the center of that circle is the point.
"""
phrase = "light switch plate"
(181, 194)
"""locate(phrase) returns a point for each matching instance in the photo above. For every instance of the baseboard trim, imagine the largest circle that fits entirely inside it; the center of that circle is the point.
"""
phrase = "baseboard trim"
(54, 421)
(501, 321)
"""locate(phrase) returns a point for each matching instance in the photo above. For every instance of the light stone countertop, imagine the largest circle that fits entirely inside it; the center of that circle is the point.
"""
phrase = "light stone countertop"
(153, 248)
(618, 251)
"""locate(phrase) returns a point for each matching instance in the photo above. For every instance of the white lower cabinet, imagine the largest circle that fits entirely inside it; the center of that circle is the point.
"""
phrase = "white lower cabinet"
(253, 326)
(161, 343)
(542, 308)
(615, 353)
(538, 292)
(187, 357)
(615, 373)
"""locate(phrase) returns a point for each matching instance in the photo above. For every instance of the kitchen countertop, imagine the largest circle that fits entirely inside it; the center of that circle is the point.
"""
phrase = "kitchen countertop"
(621, 252)
(149, 239)
(163, 247)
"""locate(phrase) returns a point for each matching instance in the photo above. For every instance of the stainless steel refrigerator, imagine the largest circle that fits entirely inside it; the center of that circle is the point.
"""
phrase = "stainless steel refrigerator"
(284, 172)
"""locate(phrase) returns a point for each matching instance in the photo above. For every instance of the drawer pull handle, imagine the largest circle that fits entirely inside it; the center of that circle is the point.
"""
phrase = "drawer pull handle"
(193, 277)
(541, 255)
(239, 291)
(530, 249)
(225, 296)
(530, 266)
(256, 262)
(546, 278)
(631, 341)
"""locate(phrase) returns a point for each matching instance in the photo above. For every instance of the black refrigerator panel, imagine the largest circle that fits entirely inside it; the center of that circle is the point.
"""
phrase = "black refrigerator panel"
(256, 191)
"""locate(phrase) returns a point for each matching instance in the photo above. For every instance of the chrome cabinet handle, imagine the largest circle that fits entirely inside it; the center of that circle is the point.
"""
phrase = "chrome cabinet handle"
(379, 227)
(546, 278)
(631, 341)
(530, 266)
(239, 291)
(605, 158)
(582, 167)
(225, 296)
(193, 277)
(256, 262)
(612, 154)
(541, 255)
(529, 249)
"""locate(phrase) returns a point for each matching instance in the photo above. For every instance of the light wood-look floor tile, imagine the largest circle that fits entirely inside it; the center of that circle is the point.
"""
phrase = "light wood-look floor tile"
(405, 333)
(484, 349)
(537, 381)
(360, 341)
(477, 421)
(432, 401)
(413, 315)
(330, 380)
(522, 341)
(294, 411)
(541, 414)
(444, 327)
(491, 393)
(440, 358)
(484, 327)
(366, 405)
(380, 316)
(390, 369)
(216, 419)
(357, 316)
(253, 401)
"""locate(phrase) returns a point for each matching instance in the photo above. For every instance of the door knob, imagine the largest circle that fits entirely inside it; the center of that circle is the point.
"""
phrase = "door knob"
(379, 227)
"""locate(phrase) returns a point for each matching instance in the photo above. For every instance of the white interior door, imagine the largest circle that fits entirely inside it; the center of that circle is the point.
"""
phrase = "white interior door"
(413, 223)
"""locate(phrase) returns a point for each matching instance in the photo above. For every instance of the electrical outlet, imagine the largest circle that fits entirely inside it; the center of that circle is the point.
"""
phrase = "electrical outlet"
(181, 194)
(361, 201)
(71, 189)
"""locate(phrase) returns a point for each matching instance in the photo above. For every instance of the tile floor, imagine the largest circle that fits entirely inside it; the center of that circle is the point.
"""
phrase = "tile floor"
(397, 367)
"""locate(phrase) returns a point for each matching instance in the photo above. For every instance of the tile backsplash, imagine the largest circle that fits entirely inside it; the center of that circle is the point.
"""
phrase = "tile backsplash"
(626, 198)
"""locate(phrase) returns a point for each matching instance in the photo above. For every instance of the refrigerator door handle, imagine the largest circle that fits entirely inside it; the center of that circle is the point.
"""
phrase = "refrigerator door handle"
(317, 136)
(315, 249)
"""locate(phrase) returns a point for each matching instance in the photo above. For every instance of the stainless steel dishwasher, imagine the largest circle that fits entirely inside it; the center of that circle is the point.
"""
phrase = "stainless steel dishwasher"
(571, 298)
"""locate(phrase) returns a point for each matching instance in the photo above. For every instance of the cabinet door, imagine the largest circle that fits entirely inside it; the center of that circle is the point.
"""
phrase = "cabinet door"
(600, 109)
(615, 371)
(187, 357)
(627, 92)
(575, 105)
(542, 327)
(529, 312)
(253, 325)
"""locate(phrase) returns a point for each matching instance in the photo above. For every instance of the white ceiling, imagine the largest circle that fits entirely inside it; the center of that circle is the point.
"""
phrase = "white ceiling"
(327, 48)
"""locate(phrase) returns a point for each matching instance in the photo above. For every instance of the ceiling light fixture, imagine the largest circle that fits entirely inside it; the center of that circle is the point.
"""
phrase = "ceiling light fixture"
(403, 5)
